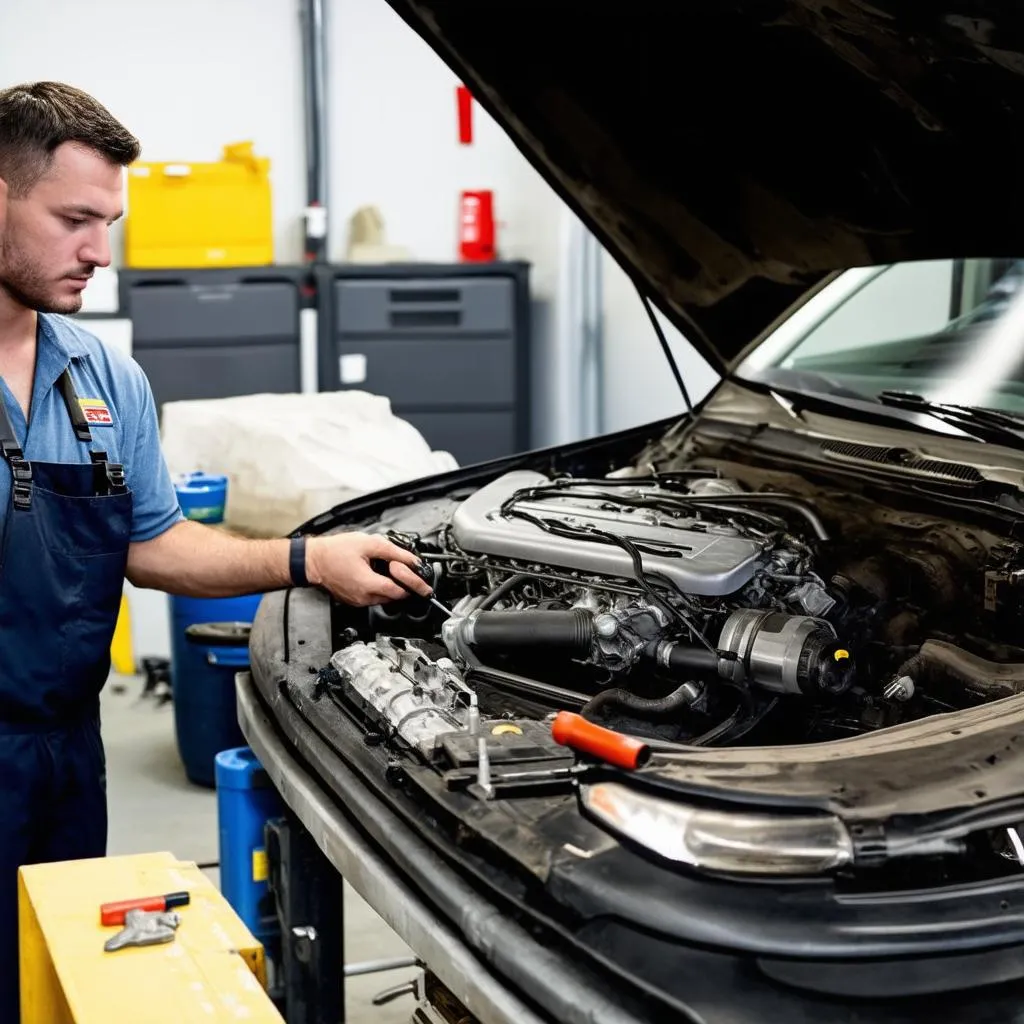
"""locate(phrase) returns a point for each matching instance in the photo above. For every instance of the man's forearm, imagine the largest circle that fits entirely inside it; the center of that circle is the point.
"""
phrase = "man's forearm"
(199, 561)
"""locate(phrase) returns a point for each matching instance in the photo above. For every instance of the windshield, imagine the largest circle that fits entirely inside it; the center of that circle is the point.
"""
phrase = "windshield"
(951, 331)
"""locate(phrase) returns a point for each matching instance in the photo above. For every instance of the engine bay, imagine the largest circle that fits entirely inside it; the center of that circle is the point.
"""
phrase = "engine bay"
(708, 606)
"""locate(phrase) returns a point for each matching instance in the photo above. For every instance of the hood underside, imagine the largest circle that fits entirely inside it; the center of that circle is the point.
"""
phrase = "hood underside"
(731, 154)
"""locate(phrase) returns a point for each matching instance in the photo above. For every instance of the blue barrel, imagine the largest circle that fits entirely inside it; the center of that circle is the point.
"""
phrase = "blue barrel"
(203, 675)
(188, 663)
(246, 800)
(208, 653)
(202, 496)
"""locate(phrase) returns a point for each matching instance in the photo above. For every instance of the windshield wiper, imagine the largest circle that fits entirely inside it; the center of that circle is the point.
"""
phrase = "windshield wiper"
(982, 424)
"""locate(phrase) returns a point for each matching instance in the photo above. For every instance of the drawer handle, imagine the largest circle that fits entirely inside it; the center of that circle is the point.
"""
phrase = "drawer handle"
(424, 295)
(425, 318)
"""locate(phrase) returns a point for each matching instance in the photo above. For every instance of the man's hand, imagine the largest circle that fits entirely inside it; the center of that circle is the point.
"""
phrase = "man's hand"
(341, 564)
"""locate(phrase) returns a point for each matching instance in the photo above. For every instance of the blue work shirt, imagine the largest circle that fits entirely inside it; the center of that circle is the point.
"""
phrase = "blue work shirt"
(118, 403)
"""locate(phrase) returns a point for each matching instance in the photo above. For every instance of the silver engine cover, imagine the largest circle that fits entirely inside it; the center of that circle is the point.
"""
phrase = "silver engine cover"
(707, 559)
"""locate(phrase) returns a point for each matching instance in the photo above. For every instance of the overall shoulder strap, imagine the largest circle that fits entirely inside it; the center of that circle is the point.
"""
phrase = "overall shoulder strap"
(109, 476)
(21, 471)
(75, 414)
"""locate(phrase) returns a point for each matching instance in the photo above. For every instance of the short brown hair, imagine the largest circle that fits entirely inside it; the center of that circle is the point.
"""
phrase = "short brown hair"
(38, 117)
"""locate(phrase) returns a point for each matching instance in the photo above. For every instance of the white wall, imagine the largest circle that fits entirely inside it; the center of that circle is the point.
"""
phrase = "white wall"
(179, 77)
(393, 144)
(639, 386)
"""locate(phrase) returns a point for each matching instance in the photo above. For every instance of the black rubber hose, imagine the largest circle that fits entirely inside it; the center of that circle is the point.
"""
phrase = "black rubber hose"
(570, 630)
(683, 657)
(937, 661)
(651, 707)
(499, 592)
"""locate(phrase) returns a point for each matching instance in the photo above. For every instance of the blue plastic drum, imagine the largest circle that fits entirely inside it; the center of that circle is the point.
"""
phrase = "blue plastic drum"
(205, 713)
(203, 675)
(246, 800)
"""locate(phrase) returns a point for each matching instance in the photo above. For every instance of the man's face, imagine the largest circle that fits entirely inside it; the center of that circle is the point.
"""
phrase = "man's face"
(58, 234)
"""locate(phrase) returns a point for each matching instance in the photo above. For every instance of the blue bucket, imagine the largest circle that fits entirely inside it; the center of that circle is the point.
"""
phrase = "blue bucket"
(246, 800)
(202, 496)
(208, 653)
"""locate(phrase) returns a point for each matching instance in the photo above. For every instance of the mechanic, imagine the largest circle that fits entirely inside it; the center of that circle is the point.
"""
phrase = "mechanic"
(86, 499)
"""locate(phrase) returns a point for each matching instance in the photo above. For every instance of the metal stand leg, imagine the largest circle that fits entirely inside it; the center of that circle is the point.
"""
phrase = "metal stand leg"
(308, 894)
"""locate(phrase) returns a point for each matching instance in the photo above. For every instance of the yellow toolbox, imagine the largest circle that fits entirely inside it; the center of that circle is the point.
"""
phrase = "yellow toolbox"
(214, 970)
(200, 214)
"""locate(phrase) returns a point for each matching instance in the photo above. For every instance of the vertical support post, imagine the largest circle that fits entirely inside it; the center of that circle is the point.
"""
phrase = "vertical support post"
(314, 66)
(309, 898)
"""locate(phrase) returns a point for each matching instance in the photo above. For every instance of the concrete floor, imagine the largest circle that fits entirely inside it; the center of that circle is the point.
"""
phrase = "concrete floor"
(154, 807)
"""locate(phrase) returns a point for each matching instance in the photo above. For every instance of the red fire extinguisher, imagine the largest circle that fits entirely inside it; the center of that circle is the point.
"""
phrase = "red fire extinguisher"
(476, 226)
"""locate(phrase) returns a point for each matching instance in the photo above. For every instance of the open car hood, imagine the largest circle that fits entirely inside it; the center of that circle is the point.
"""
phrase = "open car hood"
(730, 154)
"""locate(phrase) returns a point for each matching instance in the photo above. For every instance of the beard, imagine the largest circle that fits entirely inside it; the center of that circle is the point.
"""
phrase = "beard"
(26, 283)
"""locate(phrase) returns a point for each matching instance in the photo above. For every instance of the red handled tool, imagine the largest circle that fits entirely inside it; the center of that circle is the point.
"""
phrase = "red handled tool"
(113, 913)
(572, 730)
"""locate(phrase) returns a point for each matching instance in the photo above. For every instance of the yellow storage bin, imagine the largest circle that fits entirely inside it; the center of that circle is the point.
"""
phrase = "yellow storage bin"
(200, 214)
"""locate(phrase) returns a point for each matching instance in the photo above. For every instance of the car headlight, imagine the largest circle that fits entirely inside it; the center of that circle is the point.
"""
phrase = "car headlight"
(763, 844)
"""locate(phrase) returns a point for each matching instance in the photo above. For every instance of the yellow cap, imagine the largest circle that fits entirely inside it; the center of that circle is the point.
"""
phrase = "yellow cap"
(505, 728)
(841, 655)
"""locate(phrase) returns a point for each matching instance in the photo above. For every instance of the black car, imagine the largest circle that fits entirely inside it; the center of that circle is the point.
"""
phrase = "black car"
(727, 721)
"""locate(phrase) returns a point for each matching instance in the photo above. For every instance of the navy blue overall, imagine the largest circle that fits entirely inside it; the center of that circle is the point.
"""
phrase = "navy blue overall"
(62, 564)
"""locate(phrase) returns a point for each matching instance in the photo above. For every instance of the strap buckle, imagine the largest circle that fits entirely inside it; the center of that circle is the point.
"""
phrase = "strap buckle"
(11, 451)
(109, 476)
(115, 477)
(21, 486)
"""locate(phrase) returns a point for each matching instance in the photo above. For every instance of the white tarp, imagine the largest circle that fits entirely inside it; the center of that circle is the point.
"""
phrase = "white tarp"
(290, 457)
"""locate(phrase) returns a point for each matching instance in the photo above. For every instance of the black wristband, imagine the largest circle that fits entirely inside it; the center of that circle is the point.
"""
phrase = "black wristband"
(297, 562)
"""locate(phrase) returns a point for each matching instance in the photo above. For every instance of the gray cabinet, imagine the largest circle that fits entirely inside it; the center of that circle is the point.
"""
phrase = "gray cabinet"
(215, 333)
(449, 346)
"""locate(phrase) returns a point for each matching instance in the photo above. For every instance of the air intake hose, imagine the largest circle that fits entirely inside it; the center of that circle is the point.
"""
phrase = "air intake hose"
(569, 630)
(939, 662)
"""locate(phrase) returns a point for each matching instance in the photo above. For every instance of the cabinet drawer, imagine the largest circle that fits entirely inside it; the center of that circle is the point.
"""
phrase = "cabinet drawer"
(197, 314)
(424, 306)
(219, 371)
(448, 373)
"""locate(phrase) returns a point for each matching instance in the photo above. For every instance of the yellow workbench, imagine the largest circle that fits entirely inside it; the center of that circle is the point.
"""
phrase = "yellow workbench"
(214, 971)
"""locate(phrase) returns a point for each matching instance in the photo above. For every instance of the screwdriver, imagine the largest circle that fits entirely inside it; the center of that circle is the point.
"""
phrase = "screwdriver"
(379, 565)
(433, 600)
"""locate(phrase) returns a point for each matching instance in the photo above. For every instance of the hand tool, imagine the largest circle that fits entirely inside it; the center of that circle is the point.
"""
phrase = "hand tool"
(144, 928)
(572, 730)
(113, 913)
(383, 567)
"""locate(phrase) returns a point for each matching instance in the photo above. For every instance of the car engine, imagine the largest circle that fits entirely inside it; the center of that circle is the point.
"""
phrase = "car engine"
(689, 607)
